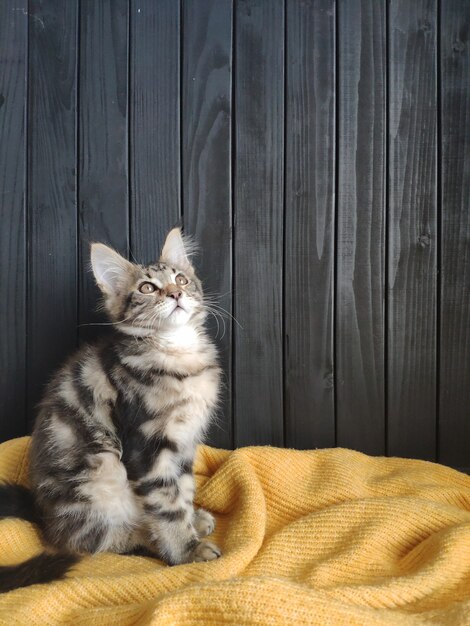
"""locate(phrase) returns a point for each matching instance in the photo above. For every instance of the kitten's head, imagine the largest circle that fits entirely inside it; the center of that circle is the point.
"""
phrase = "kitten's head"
(161, 296)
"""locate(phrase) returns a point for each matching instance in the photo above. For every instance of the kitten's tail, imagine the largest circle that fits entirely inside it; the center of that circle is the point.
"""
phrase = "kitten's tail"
(17, 501)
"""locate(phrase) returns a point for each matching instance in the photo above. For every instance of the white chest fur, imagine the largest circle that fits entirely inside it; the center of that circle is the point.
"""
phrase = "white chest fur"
(182, 404)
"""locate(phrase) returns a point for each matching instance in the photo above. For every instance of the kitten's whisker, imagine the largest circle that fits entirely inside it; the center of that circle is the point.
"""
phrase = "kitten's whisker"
(96, 324)
(222, 310)
(216, 321)
(223, 322)
(223, 334)
(106, 323)
(217, 295)
(217, 314)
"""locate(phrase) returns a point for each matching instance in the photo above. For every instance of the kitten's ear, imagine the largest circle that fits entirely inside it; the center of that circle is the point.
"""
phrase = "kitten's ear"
(176, 250)
(111, 270)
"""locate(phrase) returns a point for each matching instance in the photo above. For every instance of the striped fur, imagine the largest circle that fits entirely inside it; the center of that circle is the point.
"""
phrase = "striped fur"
(114, 442)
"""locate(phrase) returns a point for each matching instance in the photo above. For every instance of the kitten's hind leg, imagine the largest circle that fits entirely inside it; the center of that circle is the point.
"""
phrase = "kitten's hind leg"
(203, 522)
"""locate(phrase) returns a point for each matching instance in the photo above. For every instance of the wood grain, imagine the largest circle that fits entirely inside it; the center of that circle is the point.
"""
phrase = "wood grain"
(258, 221)
(103, 147)
(309, 224)
(154, 124)
(13, 89)
(360, 397)
(207, 190)
(52, 210)
(251, 122)
(454, 406)
(412, 232)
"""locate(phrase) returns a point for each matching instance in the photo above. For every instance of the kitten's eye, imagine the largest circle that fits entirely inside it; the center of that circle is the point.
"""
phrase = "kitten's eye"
(147, 288)
(181, 280)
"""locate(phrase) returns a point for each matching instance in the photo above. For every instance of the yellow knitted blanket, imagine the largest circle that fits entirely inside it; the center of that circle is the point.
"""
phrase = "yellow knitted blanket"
(317, 537)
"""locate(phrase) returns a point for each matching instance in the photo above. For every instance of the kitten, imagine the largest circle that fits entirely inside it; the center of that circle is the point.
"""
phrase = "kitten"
(114, 442)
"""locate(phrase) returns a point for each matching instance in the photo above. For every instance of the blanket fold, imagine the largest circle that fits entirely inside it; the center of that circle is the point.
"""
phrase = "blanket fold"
(308, 537)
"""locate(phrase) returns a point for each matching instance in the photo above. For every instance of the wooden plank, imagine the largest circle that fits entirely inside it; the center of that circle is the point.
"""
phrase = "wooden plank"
(412, 230)
(103, 184)
(454, 408)
(154, 124)
(52, 297)
(309, 224)
(258, 207)
(206, 106)
(360, 333)
(13, 56)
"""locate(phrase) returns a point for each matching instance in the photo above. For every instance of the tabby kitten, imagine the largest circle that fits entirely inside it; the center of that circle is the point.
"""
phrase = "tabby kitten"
(114, 442)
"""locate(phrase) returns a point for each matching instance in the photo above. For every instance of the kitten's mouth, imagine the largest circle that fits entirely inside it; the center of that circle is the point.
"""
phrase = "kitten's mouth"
(178, 307)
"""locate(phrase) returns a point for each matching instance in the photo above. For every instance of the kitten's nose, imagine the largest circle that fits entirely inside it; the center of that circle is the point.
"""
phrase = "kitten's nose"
(174, 293)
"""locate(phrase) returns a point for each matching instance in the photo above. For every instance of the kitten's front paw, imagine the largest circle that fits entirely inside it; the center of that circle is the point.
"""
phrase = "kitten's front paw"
(203, 522)
(205, 551)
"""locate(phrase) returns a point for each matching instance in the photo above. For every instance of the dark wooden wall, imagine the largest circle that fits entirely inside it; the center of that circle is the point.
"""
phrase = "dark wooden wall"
(319, 150)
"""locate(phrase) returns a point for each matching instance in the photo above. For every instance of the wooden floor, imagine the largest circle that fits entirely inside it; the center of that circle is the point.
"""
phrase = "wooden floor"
(320, 153)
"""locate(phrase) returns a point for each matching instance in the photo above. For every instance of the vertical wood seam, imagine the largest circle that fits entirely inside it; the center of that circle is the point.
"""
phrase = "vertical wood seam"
(27, 229)
(386, 219)
(233, 157)
(438, 219)
(78, 274)
(334, 281)
(283, 262)
(26, 224)
(130, 252)
(181, 107)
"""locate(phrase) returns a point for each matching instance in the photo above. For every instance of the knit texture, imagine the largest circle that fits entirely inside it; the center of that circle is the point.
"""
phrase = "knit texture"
(308, 537)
